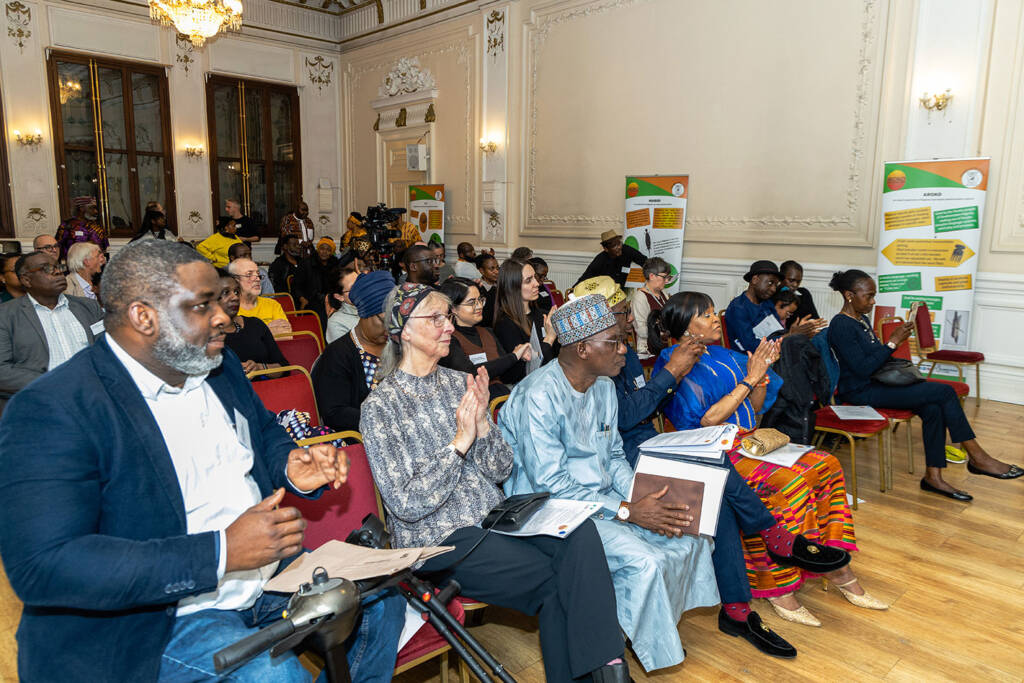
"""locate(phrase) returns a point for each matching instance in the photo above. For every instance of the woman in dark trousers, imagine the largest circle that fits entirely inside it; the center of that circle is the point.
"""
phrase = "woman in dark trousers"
(861, 354)
(519, 321)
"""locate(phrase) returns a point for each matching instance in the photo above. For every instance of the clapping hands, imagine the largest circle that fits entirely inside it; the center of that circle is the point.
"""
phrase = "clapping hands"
(471, 421)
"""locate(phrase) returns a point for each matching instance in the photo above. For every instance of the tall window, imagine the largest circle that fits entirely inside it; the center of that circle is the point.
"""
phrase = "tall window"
(113, 138)
(6, 212)
(254, 148)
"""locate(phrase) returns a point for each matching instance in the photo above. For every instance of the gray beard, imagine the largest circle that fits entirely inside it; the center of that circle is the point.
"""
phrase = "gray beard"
(172, 349)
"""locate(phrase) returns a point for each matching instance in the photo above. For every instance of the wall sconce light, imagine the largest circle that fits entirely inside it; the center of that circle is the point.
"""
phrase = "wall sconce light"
(488, 146)
(29, 140)
(194, 151)
(938, 101)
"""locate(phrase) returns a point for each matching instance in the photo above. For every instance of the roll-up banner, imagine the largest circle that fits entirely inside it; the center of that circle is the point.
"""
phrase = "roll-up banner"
(426, 211)
(655, 222)
(931, 229)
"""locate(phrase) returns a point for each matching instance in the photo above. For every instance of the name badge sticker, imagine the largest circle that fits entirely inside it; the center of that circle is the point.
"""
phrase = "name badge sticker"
(478, 358)
(242, 430)
(640, 382)
(96, 328)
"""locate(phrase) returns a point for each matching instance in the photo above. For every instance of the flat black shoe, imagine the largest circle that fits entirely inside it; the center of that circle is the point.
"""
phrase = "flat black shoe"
(812, 557)
(955, 494)
(612, 673)
(1012, 473)
(757, 634)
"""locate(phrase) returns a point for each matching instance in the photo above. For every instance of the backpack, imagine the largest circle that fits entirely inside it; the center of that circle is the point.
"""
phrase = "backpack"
(805, 389)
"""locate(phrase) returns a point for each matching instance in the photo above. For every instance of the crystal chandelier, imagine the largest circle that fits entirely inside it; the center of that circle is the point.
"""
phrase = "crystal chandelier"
(69, 90)
(198, 19)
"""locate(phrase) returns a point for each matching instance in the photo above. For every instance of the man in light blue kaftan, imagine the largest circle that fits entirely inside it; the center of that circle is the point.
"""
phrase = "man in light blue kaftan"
(561, 422)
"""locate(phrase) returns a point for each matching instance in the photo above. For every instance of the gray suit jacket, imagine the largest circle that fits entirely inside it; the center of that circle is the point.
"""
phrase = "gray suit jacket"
(24, 354)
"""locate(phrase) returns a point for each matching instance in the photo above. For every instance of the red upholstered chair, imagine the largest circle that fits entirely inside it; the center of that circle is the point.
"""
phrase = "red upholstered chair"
(308, 321)
(300, 348)
(283, 298)
(293, 391)
(557, 298)
(725, 335)
(495, 406)
(928, 349)
(887, 326)
(826, 422)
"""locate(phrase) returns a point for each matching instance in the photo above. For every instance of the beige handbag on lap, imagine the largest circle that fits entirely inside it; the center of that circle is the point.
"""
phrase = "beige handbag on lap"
(763, 441)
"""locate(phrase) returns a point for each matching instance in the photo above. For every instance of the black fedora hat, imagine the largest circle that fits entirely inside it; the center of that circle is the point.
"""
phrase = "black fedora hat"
(762, 268)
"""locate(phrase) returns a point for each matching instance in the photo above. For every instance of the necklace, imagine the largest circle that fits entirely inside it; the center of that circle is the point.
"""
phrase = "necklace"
(238, 328)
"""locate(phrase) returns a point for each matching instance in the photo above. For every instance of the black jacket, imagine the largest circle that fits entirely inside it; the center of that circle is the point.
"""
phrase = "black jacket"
(340, 384)
(280, 269)
(603, 264)
(511, 335)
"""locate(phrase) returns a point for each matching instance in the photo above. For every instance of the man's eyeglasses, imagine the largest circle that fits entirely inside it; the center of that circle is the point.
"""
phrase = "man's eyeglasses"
(48, 247)
(473, 303)
(250, 276)
(49, 269)
(616, 341)
(439, 319)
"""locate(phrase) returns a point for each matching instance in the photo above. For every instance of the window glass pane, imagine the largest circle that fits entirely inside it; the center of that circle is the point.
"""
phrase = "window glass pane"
(119, 179)
(146, 107)
(229, 182)
(254, 123)
(112, 108)
(151, 182)
(225, 112)
(258, 194)
(284, 190)
(281, 127)
(81, 170)
(75, 96)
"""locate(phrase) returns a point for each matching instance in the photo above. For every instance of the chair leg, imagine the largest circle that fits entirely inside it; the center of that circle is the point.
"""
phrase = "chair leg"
(910, 448)
(885, 456)
(853, 469)
(977, 384)
(444, 667)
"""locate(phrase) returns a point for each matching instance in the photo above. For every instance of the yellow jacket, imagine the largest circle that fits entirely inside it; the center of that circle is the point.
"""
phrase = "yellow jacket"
(215, 247)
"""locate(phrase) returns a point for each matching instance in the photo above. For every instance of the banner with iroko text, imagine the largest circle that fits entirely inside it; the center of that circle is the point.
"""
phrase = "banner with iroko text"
(931, 230)
(655, 222)
(426, 211)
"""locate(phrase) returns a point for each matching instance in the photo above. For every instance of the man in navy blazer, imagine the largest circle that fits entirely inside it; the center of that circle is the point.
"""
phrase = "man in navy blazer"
(140, 481)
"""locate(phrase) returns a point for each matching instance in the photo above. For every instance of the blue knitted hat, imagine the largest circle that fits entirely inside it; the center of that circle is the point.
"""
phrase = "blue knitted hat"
(369, 292)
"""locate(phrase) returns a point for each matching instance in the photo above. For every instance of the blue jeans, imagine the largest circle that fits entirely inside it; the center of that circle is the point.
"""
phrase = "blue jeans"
(372, 647)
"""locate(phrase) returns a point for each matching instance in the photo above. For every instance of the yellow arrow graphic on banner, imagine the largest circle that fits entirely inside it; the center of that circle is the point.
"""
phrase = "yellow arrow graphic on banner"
(935, 253)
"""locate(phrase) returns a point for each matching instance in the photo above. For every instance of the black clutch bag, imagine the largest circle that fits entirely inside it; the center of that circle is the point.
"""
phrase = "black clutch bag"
(513, 512)
(897, 372)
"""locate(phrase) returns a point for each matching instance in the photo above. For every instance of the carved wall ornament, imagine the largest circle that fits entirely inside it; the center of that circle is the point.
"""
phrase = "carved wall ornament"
(430, 116)
(324, 221)
(495, 34)
(185, 50)
(19, 17)
(320, 71)
(195, 217)
(36, 214)
(495, 231)
(400, 121)
(376, 124)
(406, 77)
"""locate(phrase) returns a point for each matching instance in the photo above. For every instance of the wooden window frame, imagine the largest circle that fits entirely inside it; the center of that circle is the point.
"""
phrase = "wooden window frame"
(271, 228)
(6, 200)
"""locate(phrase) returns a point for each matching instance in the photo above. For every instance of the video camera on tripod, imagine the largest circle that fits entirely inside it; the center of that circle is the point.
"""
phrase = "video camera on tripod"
(322, 614)
(378, 223)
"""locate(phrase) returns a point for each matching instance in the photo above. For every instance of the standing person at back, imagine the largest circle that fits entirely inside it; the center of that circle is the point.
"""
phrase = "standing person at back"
(245, 227)
(614, 259)
(84, 226)
(651, 297)
(519, 321)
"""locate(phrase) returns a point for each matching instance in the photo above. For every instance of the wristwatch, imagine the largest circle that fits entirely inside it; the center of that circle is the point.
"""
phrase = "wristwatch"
(623, 512)
(891, 345)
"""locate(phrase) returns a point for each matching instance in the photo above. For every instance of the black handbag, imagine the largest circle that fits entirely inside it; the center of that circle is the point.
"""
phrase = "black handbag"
(897, 372)
(513, 512)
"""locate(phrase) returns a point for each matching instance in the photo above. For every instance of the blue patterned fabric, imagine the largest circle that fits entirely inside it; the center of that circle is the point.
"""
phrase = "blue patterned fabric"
(581, 318)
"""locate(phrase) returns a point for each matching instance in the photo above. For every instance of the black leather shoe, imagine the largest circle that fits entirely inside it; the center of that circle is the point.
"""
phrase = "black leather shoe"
(813, 557)
(1012, 473)
(612, 673)
(757, 634)
(955, 494)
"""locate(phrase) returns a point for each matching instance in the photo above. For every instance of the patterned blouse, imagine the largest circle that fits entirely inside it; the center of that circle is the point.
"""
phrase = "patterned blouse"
(370, 362)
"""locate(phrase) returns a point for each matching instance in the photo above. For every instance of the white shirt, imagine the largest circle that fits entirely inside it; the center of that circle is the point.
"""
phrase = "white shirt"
(86, 287)
(213, 459)
(466, 269)
(65, 335)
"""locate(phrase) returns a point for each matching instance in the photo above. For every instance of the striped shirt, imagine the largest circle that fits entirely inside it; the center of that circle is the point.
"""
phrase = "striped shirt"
(65, 335)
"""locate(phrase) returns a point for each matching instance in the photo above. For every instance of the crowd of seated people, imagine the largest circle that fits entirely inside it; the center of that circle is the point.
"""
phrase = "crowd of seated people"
(413, 365)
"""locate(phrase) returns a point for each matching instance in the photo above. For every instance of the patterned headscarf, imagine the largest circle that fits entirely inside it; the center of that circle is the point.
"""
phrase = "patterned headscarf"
(581, 318)
(410, 294)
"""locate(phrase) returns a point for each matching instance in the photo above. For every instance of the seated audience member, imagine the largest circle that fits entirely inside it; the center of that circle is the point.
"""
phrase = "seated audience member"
(560, 424)
(650, 297)
(347, 370)
(243, 250)
(540, 269)
(12, 285)
(475, 346)
(444, 271)
(487, 270)
(354, 229)
(154, 225)
(613, 260)
(466, 265)
(246, 228)
(785, 302)
(45, 328)
(252, 304)
(46, 244)
(808, 498)
(133, 572)
(286, 264)
(437, 459)
(215, 247)
(342, 315)
(519, 321)
(753, 306)
(861, 354)
(247, 336)
(421, 264)
(522, 253)
(85, 259)
(315, 277)
(792, 275)
(84, 226)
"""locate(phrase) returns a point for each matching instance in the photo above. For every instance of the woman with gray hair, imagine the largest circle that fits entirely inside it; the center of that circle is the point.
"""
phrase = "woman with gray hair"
(438, 459)
(650, 297)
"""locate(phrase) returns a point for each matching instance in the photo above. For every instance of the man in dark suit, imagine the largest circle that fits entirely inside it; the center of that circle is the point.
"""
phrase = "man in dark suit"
(140, 482)
(44, 328)
(613, 260)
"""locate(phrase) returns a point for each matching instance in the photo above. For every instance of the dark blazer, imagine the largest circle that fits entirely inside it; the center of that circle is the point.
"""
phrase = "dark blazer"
(24, 355)
(92, 529)
(340, 384)
(511, 335)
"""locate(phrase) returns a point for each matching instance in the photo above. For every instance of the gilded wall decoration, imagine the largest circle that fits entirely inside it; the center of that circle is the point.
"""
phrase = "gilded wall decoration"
(36, 214)
(430, 116)
(495, 34)
(320, 71)
(400, 121)
(195, 217)
(19, 17)
(185, 51)
(406, 77)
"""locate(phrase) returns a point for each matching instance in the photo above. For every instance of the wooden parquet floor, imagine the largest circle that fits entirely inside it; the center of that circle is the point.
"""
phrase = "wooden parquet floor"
(953, 573)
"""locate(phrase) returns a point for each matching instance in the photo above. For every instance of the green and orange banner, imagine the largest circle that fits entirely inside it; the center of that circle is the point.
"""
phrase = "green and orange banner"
(655, 221)
(426, 211)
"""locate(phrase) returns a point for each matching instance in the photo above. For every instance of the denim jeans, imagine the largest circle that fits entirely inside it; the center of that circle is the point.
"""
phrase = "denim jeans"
(371, 648)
